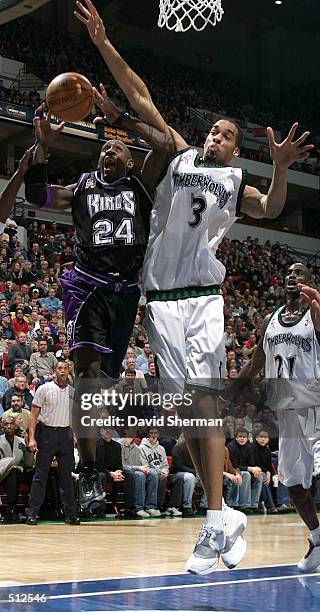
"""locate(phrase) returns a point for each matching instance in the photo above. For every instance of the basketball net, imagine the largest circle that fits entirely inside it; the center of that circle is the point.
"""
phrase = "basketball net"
(181, 15)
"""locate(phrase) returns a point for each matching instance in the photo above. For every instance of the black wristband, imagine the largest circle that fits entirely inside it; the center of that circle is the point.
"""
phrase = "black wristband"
(36, 174)
(120, 120)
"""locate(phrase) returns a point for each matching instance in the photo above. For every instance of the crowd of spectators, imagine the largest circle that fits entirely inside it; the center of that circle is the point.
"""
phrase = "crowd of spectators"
(33, 339)
(176, 89)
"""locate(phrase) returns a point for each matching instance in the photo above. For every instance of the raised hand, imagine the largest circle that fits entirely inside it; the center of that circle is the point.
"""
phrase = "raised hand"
(25, 161)
(289, 151)
(92, 20)
(312, 296)
(45, 133)
(110, 111)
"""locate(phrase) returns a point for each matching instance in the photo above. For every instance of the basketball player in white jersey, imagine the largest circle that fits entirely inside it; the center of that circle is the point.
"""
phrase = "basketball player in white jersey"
(197, 200)
(289, 351)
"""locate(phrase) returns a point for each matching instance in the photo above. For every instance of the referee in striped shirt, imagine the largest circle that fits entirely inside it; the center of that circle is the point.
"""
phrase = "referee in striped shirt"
(51, 413)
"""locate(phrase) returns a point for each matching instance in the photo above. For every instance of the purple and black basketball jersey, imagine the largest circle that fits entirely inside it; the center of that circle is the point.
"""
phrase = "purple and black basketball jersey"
(112, 224)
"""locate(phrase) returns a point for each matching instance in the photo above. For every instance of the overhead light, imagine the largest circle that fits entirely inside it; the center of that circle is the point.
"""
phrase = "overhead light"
(278, 2)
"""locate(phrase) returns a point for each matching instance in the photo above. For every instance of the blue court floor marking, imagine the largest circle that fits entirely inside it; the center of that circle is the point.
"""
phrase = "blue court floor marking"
(178, 592)
(127, 583)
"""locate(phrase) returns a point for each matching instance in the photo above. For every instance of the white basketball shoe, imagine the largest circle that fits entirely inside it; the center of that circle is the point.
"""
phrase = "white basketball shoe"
(311, 560)
(235, 546)
(207, 551)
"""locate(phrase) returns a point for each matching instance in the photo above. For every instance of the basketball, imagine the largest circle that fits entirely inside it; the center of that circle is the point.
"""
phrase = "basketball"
(70, 96)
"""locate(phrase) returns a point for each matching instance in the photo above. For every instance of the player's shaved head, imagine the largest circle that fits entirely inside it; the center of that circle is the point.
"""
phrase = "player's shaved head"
(296, 273)
(115, 160)
(300, 267)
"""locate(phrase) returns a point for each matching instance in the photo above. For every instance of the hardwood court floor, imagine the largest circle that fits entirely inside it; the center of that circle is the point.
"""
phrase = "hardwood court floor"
(111, 549)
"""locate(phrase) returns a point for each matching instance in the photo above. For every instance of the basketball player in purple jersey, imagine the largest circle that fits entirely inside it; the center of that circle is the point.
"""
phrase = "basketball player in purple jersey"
(110, 210)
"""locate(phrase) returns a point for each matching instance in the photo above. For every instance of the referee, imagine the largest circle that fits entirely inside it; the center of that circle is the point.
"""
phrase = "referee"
(52, 406)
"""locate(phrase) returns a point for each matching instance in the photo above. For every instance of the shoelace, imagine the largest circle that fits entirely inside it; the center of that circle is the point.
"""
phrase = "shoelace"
(206, 531)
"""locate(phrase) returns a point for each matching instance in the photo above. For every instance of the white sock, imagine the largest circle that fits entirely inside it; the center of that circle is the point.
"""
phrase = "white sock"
(215, 518)
(315, 535)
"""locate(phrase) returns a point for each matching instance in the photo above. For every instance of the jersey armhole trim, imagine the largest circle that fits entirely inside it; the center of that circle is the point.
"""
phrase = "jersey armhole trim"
(80, 183)
(143, 187)
(239, 214)
(170, 159)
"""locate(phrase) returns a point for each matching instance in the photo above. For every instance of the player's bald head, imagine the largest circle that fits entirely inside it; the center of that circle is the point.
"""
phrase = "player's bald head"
(300, 268)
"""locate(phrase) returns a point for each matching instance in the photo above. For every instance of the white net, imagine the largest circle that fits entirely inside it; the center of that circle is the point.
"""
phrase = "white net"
(181, 15)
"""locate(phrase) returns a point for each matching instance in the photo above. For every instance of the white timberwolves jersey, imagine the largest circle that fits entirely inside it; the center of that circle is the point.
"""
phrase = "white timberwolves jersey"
(292, 366)
(195, 205)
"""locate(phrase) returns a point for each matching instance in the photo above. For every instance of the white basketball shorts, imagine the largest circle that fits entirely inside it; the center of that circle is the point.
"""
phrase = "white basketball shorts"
(298, 431)
(187, 338)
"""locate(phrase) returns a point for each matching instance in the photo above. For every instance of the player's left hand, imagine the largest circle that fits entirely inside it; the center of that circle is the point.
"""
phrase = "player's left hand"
(289, 151)
(110, 111)
(312, 296)
(92, 20)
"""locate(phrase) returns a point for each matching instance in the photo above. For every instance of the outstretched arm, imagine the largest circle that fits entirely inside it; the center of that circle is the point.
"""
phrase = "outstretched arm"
(258, 205)
(163, 144)
(38, 192)
(131, 84)
(8, 196)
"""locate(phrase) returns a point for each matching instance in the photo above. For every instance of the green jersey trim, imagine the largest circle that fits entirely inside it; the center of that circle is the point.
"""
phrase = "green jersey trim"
(284, 324)
(182, 294)
(239, 214)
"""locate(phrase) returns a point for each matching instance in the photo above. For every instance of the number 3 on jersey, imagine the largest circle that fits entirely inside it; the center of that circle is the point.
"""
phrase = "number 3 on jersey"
(103, 232)
(198, 206)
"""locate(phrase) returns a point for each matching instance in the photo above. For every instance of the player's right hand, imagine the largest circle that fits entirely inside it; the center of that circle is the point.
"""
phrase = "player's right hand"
(110, 110)
(45, 133)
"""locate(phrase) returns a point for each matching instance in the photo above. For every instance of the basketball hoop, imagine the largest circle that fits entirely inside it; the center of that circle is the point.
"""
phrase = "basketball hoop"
(181, 15)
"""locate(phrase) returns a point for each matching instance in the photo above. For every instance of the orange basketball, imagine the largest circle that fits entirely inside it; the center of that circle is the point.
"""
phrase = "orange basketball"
(70, 96)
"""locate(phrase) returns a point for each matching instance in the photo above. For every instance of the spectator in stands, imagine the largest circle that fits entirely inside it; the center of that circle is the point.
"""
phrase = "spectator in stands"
(17, 371)
(20, 387)
(42, 364)
(229, 428)
(109, 465)
(19, 353)
(3, 388)
(131, 365)
(50, 250)
(251, 413)
(142, 361)
(262, 458)
(231, 477)
(270, 426)
(257, 426)
(182, 466)
(151, 377)
(132, 344)
(156, 459)
(28, 275)
(145, 479)
(247, 495)
(20, 324)
(13, 446)
(8, 331)
(16, 406)
(51, 301)
(46, 335)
